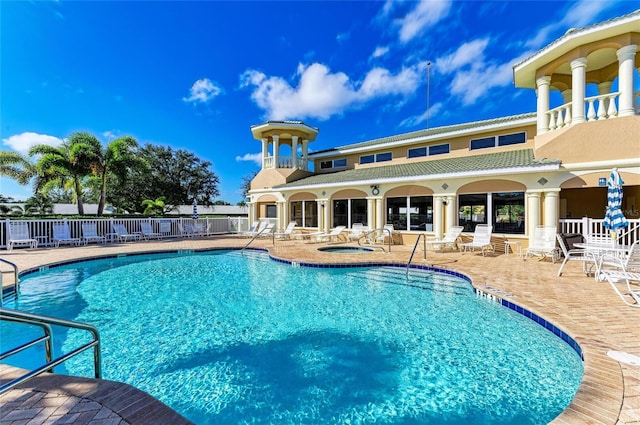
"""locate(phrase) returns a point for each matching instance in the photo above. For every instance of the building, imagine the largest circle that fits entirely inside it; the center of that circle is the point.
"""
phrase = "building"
(515, 172)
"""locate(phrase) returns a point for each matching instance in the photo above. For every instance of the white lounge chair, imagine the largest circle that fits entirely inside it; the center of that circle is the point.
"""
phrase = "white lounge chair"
(357, 231)
(90, 233)
(544, 244)
(449, 240)
(260, 230)
(328, 237)
(123, 235)
(628, 263)
(481, 240)
(576, 254)
(631, 280)
(19, 234)
(62, 234)
(147, 231)
(288, 231)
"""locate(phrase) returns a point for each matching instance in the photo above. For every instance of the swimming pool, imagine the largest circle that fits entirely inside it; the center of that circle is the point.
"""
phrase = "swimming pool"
(224, 337)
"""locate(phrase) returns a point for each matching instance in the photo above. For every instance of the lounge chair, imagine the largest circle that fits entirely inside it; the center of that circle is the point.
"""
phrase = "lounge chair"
(382, 235)
(631, 281)
(481, 240)
(90, 233)
(256, 230)
(288, 231)
(544, 244)
(164, 227)
(147, 231)
(123, 235)
(19, 234)
(628, 263)
(328, 237)
(449, 240)
(575, 254)
(357, 231)
(62, 234)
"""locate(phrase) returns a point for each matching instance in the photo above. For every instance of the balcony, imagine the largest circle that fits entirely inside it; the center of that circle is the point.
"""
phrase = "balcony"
(269, 162)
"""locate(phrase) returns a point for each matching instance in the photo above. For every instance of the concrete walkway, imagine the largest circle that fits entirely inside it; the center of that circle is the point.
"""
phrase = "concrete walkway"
(587, 310)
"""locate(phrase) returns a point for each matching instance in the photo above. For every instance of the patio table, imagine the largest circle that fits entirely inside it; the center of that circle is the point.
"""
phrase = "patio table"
(599, 250)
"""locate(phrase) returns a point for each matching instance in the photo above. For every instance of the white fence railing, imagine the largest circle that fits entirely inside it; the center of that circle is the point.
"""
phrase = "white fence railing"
(42, 230)
(589, 226)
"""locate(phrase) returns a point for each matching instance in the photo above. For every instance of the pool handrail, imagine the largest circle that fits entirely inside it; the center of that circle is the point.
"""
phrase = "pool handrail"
(375, 231)
(16, 280)
(45, 323)
(415, 246)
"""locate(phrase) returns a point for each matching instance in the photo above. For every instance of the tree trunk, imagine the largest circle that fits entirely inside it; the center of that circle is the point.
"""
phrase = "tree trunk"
(103, 192)
(76, 182)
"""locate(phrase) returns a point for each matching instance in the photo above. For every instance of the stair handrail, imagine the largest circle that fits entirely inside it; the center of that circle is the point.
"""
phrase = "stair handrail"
(45, 323)
(382, 229)
(413, 251)
(263, 231)
(16, 281)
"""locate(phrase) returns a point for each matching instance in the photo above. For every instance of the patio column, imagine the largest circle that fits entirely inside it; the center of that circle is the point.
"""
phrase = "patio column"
(371, 212)
(265, 150)
(253, 212)
(282, 215)
(578, 88)
(294, 151)
(276, 151)
(626, 58)
(321, 207)
(438, 215)
(450, 210)
(327, 216)
(543, 84)
(533, 213)
(381, 217)
(551, 207)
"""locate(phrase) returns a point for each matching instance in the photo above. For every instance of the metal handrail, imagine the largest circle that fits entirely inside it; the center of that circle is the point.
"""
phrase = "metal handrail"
(45, 323)
(415, 246)
(16, 281)
(382, 229)
(257, 235)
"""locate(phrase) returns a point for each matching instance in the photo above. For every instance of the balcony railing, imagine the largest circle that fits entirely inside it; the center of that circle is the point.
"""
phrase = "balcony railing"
(286, 162)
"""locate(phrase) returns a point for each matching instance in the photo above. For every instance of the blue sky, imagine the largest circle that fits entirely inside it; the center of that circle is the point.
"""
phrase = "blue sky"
(196, 75)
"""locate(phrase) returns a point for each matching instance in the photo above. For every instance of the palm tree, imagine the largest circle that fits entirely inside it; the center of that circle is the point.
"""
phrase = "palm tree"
(154, 207)
(70, 161)
(118, 155)
(38, 204)
(16, 166)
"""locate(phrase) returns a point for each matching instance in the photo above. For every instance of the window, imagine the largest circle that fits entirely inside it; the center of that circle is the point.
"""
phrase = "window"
(410, 212)
(505, 209)
(379, 157)
(272, 211)
(349, 211)
(304, 213)
(439, 149)
(504, 140)
(512, 139)
(335, 163)
(417, 152)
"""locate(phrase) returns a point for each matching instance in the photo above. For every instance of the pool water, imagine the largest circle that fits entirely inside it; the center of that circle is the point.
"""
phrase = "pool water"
(346, 249)
(225, 337)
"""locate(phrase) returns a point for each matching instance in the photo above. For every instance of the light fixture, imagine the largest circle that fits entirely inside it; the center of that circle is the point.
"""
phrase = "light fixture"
(375, 190)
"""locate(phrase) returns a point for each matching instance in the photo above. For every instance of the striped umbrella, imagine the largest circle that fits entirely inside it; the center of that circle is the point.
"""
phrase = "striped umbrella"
(614, 218)
(195, 210)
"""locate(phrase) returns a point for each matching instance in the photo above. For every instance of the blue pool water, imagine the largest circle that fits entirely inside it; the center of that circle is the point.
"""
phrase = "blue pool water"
(226, 338)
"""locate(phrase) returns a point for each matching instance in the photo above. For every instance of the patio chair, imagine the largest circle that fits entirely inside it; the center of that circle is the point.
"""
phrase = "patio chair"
(481, 240)
(631, 280)
(19, 234)
(262, 224)
(147, 231)
(357, 231)
(62, 234)
(627, 263)
(286, 234)
(575, 254)
(164, 227)
(90, 233)
(123, 235)
(382, 235)
(544, 244)
(449, 240)
(329, 237)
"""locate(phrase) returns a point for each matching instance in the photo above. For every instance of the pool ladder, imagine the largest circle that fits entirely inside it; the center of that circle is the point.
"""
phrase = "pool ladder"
(45, 323)
(413, 252)
(16, 281)
(257, 235)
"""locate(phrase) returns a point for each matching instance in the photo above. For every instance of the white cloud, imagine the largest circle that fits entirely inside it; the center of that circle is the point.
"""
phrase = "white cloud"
(380, 51)
(203, 91)
(468, 53)
(415, 120)
(24, 141)
(255, 157)
(425, 14)
(321, 94)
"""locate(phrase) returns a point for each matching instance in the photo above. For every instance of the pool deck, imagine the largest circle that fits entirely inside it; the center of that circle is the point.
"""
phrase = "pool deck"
(587, 310)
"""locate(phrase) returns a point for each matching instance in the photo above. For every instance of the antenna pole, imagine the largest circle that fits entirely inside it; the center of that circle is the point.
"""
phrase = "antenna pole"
(428, 90)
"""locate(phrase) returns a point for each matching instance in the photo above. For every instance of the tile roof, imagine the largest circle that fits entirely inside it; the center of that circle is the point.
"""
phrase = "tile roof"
(436, 131)
(523, 158)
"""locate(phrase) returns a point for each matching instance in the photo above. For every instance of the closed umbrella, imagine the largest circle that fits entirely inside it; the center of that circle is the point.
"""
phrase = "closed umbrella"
(195, 210)
(614, 219)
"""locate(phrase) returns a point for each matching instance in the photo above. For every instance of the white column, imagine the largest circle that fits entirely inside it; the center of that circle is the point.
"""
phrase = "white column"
(578, 88)
(626, 58)
(305, 154)
(265, 150)
(451, 210)
(381, 217)
(371, 212)
(276, 151)
(321, 207)
(543, 103)
(438, 216)
(533, 213)
(294, 151)
(327, 216)
(551, 207)
(253, 212)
